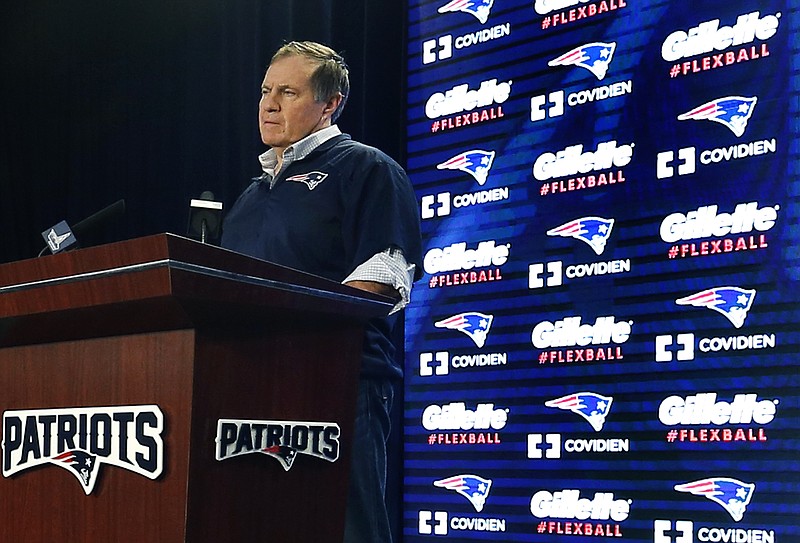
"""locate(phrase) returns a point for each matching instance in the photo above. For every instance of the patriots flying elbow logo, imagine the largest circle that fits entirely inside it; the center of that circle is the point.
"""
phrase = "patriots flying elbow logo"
(477, 163)
(472, 487)
(477, 8)
(595, 57)
(54, 240)
(731, 302)
(311, 179)
(592, 407)
(733, 495)
(475, 325)
(283, 454)
(81, 464)
(731, 111)
(594, 231)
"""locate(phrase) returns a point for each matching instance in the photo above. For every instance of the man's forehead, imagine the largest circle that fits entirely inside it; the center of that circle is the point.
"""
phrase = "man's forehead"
(291, 70)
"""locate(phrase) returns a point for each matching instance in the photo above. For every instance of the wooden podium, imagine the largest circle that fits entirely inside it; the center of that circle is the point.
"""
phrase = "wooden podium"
(90, 338)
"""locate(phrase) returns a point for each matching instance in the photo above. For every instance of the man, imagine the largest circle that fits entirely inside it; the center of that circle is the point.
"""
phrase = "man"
(330, 206)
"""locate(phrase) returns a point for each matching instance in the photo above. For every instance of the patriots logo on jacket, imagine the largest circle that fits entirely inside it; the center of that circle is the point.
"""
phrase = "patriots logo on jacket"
(478, 8)
(595, 57)
(81, 464)
(311, 179)
(283, 454)
(475, 325)
(733, 495)
(732, 111)
(477, 163)
(592, 407)
(472, 487)
(593, 231)
(731, 302)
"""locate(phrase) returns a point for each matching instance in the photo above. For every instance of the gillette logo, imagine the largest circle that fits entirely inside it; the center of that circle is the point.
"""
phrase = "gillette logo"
(710, 36)
(573, 160)
(456, 416)
(706, 222)
(569, 332)
(704, 408)
(568, 504)
(458, 257)
(460, 98)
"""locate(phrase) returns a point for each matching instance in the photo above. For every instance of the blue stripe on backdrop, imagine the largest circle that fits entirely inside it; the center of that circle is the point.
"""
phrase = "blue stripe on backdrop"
(587, 372)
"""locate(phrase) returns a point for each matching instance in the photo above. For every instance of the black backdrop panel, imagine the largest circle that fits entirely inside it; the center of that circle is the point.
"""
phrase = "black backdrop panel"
(155, 102)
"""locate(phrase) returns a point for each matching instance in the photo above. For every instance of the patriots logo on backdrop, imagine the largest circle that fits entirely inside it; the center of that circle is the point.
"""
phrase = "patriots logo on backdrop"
(475, 325)
(476, 163)
(732, 111)
(478, 8)
(311, 179)
(81, 464)
(733, 495)
(472, 487)
(595, 57)
(283, 454)
(594, 231)
(732, 302)
(592, 407)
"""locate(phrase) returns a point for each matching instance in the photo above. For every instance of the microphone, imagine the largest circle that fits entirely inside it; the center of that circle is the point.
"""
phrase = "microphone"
(205, 218)
(61, 237)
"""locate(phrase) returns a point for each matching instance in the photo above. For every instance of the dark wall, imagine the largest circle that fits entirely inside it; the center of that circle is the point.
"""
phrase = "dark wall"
(155, 102)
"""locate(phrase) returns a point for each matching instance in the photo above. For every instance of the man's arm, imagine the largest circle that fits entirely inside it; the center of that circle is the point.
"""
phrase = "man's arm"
(386, 273)
(377, 288)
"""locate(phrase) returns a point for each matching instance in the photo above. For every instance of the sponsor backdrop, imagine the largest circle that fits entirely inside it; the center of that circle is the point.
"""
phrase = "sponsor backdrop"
(605, 343)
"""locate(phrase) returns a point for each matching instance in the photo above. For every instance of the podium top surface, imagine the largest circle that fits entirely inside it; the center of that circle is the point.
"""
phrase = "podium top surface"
(164, 281)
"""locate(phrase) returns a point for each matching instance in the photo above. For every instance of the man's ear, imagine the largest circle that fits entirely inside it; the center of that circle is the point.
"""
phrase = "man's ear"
(332, 103)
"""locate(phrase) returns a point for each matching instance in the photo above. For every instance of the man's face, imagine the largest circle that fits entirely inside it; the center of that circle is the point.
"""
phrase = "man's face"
(288, 111)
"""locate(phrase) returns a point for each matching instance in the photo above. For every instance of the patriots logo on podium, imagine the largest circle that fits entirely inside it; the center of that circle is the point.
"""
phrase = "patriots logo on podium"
(475, 325)
(731, 302)
(283, 454)
(731, 111)
(81, 464)
(595, 57)
(477, 163)
(477, 8)
(125, 436)
(733, 495)
(592, 407)
(281, 439)
(593, 231)
(472, 487)
(311, 179)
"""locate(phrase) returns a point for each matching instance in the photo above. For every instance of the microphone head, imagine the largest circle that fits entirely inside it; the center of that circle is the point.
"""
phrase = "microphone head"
(61, 237)
(205, 218)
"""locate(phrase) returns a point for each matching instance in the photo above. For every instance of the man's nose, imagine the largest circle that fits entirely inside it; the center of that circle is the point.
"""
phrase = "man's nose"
(268, 102)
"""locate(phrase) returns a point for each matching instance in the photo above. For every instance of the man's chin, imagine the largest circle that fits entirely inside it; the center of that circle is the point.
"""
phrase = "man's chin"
(270, 140)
